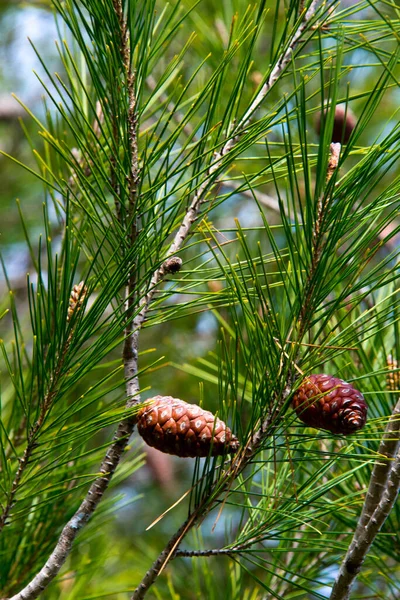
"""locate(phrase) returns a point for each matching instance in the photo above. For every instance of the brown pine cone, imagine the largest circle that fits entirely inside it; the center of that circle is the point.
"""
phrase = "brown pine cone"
(326, 402)
(343, 123)
(176, 427)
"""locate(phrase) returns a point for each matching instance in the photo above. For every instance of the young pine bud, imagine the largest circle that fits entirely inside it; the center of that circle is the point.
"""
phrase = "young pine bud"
(393, 376)
(172, 264)
(76, 299)
(333, 160)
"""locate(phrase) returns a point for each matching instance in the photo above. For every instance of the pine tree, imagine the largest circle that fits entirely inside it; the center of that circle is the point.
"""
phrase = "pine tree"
(233, 161)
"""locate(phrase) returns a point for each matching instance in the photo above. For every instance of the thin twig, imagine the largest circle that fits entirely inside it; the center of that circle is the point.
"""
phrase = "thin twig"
(381, 496)
(219, 551)
(205, 553)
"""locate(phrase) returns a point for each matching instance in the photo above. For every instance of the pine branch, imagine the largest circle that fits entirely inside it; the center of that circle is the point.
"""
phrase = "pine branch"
(378, 482)
(131, 344)
(381, 496)
(215, 551)
(130, 357)
(76, 299)
(244, 457)
(125, 428)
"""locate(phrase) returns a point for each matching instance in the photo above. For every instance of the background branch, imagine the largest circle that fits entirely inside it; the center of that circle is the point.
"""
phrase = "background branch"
(76, 299)
(383, 465)
(381, 496)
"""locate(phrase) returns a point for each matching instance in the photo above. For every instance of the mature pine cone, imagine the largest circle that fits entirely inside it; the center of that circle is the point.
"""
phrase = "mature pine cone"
(176, 427)
(326, 402)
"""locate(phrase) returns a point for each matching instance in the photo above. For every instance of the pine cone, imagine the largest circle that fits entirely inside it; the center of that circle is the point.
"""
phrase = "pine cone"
(176, 427)
(343, 123)
(326, 402)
